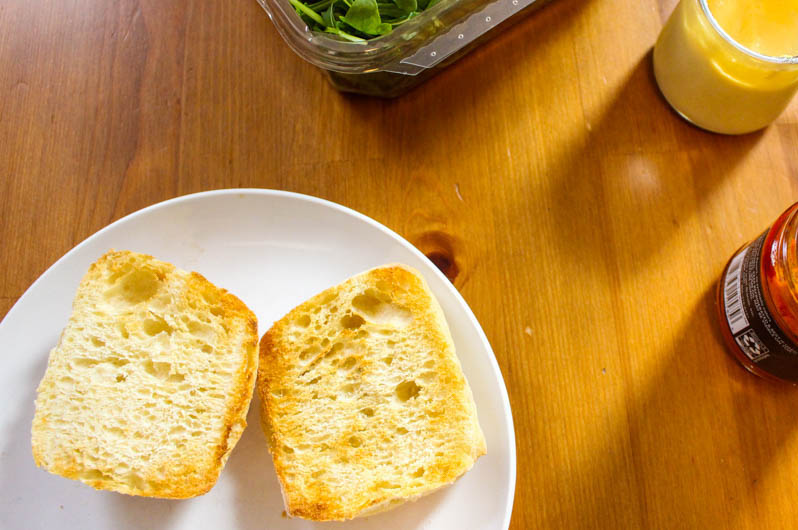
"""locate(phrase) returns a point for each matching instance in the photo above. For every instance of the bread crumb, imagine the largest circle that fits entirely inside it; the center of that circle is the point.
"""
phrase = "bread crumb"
(528, 331)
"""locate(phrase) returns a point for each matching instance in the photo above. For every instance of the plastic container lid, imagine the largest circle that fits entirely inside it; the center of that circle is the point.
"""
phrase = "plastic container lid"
(420, 44)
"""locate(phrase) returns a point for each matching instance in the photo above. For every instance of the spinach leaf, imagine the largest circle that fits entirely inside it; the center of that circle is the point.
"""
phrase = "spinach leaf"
(364, 16)
(358, 20)
(408, 6)
(305, 10)
(329, 15)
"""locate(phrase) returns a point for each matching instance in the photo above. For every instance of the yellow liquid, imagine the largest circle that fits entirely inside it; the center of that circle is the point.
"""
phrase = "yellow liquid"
(717, 86)
(769, 27)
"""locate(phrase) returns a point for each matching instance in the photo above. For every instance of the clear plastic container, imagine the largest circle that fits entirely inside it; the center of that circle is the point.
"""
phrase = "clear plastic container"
(392, 64)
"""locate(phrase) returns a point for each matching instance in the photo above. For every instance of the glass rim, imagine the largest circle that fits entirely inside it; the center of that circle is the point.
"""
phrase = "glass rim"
(787, 59)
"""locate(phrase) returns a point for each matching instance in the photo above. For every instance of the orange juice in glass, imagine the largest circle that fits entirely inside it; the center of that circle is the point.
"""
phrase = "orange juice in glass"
(729, 66)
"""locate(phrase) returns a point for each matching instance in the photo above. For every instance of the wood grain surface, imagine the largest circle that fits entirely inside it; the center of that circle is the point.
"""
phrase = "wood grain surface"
(583, 221)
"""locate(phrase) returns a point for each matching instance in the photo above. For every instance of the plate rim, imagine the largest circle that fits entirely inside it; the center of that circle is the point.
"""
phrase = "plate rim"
(494, 364)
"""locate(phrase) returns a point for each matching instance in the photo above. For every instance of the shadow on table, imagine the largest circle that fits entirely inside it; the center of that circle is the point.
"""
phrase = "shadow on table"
(639, 174)
(448, 105)
(694, 442)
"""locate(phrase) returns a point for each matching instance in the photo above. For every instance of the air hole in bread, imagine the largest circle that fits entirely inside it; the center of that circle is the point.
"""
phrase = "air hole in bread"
(201, 330)
(419, 473)
(120, 378)
(368, 412)
(84, 362)
(207, 348)
(176, 378)
(428, 377)
(401, 430)
(123, 330)
(349, 388)
(354, 441)
(367, 302)
(348, 364)
(287, 450)
(314, 380)
(303, 321)
(381, 311)
(177, 429)
(385, 485)
(93, 475)
(406, 390)
(155, 325)
(135, 481)
(97, 343)
(157, 369)
(309, 352)
(317, 474)
(328, 297)
(334, 309)
(134, 287)
(350, 321)
(325, 342)
(429, 363)
(116, 430)
(387, 360)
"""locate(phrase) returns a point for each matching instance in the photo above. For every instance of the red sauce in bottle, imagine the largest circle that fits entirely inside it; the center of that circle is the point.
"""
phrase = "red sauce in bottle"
(758, 301)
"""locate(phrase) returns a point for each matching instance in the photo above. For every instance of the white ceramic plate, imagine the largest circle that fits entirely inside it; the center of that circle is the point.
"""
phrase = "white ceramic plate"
(273, 250)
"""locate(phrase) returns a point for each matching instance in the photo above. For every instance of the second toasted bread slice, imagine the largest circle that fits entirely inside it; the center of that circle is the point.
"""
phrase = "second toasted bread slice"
(364, 401)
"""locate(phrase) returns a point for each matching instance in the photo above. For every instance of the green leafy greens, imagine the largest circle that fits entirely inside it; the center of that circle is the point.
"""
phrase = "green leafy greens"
(358, 20)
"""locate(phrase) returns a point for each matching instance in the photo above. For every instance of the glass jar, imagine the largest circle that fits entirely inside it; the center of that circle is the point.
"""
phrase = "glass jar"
(758, 301)
(715, 82)
(392, 64)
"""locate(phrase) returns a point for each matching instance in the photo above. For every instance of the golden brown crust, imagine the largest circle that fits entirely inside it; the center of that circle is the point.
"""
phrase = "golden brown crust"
(281, 396)
(199, 466)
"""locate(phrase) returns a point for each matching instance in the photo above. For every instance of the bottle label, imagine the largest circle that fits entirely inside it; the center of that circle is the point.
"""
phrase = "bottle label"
(752, 325)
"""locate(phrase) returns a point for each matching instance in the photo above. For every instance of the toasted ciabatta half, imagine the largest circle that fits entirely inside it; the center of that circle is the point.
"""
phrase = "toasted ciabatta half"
(148, 389)
(364, 401)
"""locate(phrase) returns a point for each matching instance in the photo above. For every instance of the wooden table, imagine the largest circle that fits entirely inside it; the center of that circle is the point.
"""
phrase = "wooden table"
(582, 220)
